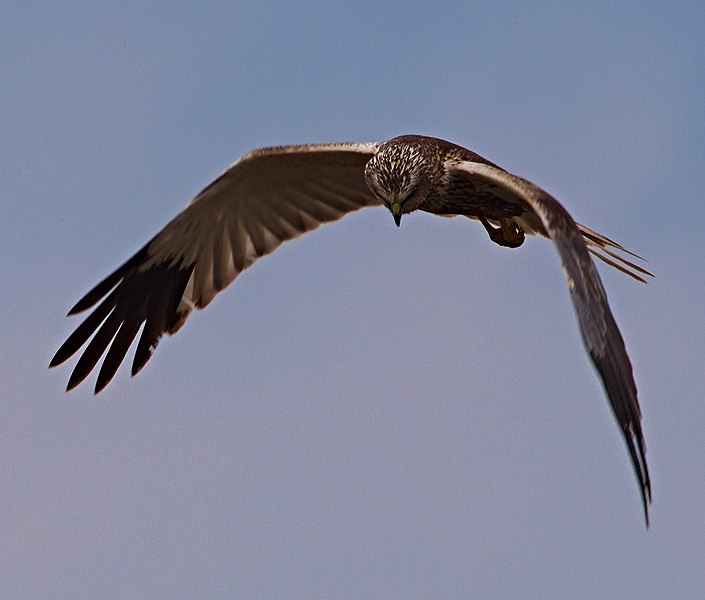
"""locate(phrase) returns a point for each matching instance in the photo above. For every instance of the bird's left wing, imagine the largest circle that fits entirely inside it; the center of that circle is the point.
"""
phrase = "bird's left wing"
(599, 330)
(267, 197)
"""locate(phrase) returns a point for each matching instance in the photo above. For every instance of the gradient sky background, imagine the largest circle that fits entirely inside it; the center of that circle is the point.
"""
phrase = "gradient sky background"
(372, 412)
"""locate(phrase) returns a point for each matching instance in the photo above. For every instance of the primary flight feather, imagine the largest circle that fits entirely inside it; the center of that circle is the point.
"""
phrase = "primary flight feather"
(275, 194)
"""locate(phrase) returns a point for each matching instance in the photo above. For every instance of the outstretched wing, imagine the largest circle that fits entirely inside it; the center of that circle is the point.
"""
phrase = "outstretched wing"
(599, 330)
(269, 196)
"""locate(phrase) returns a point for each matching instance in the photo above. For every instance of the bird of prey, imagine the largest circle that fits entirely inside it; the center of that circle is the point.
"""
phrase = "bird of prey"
(274, 194)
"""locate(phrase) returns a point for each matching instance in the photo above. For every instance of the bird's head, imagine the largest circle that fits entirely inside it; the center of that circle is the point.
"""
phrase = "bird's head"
(398, 176)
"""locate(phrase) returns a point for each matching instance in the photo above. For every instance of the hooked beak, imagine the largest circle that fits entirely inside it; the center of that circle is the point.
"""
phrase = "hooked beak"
(396, 213)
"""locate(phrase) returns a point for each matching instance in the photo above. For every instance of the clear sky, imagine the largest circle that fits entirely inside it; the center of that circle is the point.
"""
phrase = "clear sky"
(371, 412)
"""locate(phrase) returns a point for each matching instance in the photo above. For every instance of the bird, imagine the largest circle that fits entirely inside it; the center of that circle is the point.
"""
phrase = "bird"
(274, 194)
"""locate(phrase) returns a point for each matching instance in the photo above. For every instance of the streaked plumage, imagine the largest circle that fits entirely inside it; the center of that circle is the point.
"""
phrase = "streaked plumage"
(275, 194)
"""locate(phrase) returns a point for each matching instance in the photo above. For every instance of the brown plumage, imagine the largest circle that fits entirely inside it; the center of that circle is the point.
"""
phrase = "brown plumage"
(275, 194)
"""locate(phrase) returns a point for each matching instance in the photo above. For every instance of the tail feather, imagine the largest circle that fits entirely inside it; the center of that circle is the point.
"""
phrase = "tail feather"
(607, 251)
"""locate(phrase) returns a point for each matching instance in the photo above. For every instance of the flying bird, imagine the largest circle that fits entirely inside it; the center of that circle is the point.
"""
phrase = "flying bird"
(274, 194)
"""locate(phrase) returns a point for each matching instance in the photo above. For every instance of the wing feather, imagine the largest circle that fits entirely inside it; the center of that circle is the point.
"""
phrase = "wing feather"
(222, 257)
(203, 288)
(599, 330)
(267, 197)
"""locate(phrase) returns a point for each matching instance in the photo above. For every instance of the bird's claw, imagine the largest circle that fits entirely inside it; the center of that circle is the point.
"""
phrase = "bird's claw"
(513, 233)
(508, 234)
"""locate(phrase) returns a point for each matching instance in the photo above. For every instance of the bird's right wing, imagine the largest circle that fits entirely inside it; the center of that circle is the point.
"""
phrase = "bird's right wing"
(599, 330)
(267, 197)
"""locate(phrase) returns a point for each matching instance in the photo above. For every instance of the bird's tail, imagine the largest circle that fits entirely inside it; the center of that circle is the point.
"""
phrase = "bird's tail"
(613, 254)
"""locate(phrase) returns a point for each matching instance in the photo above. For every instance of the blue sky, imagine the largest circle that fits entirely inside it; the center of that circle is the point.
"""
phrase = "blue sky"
(371, 411)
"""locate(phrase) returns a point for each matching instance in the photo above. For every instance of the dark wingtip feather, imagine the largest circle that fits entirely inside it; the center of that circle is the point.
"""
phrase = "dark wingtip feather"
(84, 331)
(96, 348)
(643, 472)
(641, 469)
(107, 284)
(146, 347)
(117, 352)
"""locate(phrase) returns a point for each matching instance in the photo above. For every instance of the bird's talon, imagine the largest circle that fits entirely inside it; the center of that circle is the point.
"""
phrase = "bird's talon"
(512, 233)
(508, 234)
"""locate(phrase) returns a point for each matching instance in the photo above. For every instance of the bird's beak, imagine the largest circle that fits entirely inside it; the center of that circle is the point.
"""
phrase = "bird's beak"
(396, 213)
